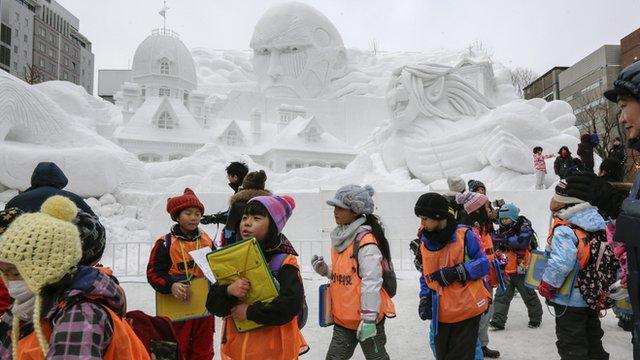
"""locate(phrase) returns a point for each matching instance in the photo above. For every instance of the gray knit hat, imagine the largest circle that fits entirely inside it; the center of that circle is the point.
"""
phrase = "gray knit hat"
(456, 184)
(354, 197)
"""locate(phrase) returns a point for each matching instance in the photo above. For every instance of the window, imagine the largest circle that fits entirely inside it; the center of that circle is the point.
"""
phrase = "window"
(41, 62)
(294, 164)
(164, 91)
(17, 17)
(149, 157)
(232, 138)
(312, 135)
(66, 62)
(43, 32)
(51, 39)
(15, 49)
(26, 22)
(143, 90)
(165, 121)
(66, 48)
(65, 75)
(52, 68)
(5, 34)
(164, 67)
(43, 48)
(51, 52)
(15, 66)
(175, 157)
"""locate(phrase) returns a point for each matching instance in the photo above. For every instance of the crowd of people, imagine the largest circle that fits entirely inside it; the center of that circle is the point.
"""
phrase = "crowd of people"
(472, 254)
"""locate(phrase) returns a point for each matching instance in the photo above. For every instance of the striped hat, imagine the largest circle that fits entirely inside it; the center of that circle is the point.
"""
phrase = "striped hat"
(471, 201)
(280, 208)
(562, 196)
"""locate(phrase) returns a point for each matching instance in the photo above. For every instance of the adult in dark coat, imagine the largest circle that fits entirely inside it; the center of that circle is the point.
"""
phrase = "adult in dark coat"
(585, 151)
(47, 180)
(563, 163)
(617, 151)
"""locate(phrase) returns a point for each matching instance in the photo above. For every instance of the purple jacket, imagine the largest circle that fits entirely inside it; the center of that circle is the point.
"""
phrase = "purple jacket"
(82, 328)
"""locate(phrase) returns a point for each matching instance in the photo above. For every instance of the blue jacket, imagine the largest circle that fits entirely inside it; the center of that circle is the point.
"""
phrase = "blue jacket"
(564, 249)
(515, 237)
(476, 264)
(47, 180)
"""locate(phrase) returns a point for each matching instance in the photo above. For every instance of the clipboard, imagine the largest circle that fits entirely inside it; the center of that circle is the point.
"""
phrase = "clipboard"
(176, 310)
(536, 268)
(325, 315)
(501, 284)
(435, 312)
(244, 259)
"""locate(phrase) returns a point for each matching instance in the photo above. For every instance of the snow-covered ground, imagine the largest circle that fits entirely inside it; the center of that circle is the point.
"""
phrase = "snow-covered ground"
(407, 335)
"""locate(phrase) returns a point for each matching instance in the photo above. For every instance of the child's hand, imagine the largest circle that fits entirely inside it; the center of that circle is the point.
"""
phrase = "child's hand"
(180, 291)
(239, 312)
(239, 288)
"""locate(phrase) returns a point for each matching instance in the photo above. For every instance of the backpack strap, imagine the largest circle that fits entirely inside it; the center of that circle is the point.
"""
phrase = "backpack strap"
(167, 241)
(275, 264)
(356, 244)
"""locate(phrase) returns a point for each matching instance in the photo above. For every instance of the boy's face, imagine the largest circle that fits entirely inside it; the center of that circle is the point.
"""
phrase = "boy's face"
(344, 216)
(189, 219)
(10, 272)
(506, 221)
(256, 226)
(233, 179)
(630, 116)
(430, 225)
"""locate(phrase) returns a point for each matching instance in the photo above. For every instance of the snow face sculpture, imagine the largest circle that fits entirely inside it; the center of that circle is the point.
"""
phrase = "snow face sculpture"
(297, 52)
(442, 126)
(34, 128)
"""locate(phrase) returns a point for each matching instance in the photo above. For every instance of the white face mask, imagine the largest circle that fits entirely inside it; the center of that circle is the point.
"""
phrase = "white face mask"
(24, 299)
(19, 290)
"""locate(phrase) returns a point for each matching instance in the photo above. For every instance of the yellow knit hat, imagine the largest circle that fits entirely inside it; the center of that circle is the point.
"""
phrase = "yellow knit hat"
(44, 247)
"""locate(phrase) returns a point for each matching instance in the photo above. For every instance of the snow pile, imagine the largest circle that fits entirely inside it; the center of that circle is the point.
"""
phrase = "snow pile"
(220, 71)
(35, 127)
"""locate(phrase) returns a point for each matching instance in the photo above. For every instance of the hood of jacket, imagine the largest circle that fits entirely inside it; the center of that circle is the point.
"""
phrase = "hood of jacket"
(244, 195)
(91, 284)
(48, 174)
(583, 216)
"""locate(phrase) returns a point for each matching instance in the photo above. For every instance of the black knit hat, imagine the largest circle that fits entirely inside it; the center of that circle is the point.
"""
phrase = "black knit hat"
(474, 185)
(432, 205)
(7, 216)
(92, 236)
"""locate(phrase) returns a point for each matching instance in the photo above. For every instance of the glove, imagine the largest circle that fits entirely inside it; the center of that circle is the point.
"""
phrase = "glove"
(546, 290)
(591, 188)
(448, 275)
(414, 246)
(366, 330)
(319, 266)
(424, 308)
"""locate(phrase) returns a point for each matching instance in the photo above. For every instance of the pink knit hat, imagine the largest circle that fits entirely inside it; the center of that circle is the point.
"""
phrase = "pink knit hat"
(280, 208)
(471, 201)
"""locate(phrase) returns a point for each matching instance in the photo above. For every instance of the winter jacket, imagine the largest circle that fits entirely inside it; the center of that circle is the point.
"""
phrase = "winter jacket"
(279, 311)
(47, 180)
(82, 327)
(564, 248)
(562, 165)
(585, 151)
(515, 237)
(538, 162)
(475, 267)
(161, 272)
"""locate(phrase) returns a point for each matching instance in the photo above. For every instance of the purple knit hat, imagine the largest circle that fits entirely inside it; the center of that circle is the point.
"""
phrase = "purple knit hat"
(280, 208)
(471, 201)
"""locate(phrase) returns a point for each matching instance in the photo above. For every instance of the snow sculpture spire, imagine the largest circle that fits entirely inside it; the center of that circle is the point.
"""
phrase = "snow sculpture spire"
(163, 13)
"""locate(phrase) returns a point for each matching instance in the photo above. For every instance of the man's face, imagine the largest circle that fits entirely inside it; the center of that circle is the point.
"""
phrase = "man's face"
(630, 117)
(401, 108)
(233, 179)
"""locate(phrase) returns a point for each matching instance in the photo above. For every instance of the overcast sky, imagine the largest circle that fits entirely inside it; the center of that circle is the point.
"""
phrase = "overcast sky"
(538, 34)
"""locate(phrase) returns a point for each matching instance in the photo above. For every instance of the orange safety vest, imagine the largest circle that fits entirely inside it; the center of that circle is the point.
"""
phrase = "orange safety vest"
(486, 243)
(515, 257)
(458, 301)
(283, 342)
(583, 244)
(346, 286)
(179, 253)
(124, 345)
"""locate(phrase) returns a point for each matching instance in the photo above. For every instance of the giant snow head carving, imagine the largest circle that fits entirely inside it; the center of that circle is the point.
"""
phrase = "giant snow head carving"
(297, 51)
(432, 91)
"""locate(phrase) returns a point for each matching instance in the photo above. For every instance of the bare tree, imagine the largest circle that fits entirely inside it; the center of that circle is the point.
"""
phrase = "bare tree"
(521, 77)
(33, 75)
(595, 116)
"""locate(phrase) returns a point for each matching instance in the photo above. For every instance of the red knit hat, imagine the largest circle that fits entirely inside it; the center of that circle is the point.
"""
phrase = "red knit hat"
(187, 200)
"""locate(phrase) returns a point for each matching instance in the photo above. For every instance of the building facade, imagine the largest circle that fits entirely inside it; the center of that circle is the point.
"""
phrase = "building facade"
(582, 86)
(16, 36)
(630, 48)
(546, 86)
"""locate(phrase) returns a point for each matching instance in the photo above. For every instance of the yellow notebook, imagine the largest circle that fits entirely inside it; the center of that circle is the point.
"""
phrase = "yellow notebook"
(176, 310)
(244, 259)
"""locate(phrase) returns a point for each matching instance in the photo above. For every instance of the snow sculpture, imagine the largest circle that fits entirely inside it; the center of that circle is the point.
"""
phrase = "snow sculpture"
(34, 128)
(442, 126)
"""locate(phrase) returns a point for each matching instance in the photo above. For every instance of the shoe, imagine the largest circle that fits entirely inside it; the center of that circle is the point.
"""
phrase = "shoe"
(491, 354)
(495, 325)
(534, 324)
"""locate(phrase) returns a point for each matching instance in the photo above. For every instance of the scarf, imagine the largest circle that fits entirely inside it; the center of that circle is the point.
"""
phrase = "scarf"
(440, 238)
(343, 235)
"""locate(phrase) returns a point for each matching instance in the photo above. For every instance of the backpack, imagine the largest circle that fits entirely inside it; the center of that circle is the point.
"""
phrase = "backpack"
(275, 265)
(389, 280)
(600, 272)
(156, 333)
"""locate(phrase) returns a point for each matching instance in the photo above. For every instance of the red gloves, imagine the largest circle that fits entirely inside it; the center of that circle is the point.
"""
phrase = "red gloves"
(545, 290)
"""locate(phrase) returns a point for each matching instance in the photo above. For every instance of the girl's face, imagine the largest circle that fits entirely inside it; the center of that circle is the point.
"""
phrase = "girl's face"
(189, 219)
(430, 225)
(10, 272)
(506, 221)
(256, 226)
(344, 216)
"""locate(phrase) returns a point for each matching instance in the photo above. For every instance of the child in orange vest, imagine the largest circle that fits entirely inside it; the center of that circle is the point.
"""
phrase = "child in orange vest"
(578, 328)
(453, 266)
(171, 268)
(513, 240)
(77, 310)
(359, 302)
(264, 218)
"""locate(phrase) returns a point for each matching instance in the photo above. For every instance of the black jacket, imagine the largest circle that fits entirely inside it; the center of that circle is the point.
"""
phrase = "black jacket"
(47, 180)
(562, 165)
(617, 152)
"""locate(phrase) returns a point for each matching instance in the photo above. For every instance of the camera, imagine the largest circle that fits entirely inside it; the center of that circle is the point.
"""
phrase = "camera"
(498, 203)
